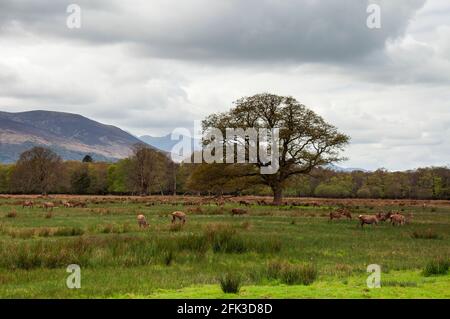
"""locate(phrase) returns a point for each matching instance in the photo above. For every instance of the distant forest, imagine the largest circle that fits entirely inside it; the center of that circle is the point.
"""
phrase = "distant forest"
(149, 172)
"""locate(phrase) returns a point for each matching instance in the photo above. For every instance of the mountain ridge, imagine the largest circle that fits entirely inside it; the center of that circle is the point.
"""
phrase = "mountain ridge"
(71, 135)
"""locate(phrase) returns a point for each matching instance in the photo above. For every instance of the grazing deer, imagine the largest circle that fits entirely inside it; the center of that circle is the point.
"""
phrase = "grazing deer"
(180, 216)
(368, 219)
(79, 204)
(48, 205)
(398, 219)
(142, 222)
(340, 213)
(67, 204)
(384, 217)
(238, 211)
(28, 203)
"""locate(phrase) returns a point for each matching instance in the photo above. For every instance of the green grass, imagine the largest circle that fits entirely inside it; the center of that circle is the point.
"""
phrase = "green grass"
(119, 260)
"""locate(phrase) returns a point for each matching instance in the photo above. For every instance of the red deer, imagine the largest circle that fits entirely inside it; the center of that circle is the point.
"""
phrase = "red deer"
(79, 204)
(238, 211)
(368, 219)
(142, 222)
(48, 205)
(384, 217)
(28, 203)
(180, 216)
(244, 202)
(398, 219)
(340, 213)
(67, 204)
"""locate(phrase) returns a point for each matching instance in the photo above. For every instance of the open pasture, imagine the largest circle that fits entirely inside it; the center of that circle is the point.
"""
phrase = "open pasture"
(288, 251)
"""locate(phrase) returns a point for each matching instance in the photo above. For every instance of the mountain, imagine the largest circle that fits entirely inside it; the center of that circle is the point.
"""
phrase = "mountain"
(72, 136)
(166, 143)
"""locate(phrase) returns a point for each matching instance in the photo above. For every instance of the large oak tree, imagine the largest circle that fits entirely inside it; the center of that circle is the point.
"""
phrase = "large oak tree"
(306, 141)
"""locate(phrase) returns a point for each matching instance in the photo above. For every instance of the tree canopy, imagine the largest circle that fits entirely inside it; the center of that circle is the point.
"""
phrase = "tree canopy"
(306, 141)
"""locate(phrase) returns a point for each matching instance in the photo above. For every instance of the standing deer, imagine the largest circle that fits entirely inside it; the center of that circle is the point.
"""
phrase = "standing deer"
(368, 219)
(28, 203)
(384, 217)
(238, 211)
(340, 213)
(48, 205)
(398, 219)
(180, 216)
(142, 222)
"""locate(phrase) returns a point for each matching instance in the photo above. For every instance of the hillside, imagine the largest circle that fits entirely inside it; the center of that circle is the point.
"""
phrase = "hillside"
(72, 136)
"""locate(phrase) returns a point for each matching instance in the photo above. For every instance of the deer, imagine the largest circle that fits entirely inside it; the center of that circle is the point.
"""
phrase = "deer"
(180, 216)
(67, 204)
(384, 217)
(28, 203)
(368, 219)
(142, 221)
(340, 213)
(397, 219)
(238, 211)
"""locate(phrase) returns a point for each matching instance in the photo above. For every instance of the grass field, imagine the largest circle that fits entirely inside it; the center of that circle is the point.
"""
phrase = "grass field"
(291, 251)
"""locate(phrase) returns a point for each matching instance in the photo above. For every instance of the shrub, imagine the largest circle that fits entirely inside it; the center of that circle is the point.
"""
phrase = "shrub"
(230, 283)
(438, 266)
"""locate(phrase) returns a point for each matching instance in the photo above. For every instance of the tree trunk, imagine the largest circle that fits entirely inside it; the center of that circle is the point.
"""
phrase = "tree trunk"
(277, 194)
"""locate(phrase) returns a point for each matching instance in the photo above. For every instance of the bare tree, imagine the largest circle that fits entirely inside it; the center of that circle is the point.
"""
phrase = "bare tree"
(148, 169)
(36, 171)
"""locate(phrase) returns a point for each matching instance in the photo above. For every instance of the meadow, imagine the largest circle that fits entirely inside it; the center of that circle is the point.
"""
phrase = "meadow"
(288, 251)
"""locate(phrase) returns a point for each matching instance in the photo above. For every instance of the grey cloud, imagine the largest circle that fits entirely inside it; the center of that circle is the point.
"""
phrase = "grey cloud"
(251, 30)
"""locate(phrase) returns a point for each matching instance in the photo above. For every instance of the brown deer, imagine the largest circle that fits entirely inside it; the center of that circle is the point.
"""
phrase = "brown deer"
(340, 213)
(67, 204)
(180, 216)
(47, 205)
(28, 203)
(398, 219)
(238, 211)
(142, 222)
(382, 217)
(368, 219)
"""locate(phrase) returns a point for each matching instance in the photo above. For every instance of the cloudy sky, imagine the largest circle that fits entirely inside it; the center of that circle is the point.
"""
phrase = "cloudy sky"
(149, 66)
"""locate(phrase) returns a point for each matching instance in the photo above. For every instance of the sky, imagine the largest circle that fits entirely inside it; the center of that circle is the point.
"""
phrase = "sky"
(149, 66)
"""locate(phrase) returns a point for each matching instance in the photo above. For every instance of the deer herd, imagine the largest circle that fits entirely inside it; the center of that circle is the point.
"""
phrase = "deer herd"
(395, 218)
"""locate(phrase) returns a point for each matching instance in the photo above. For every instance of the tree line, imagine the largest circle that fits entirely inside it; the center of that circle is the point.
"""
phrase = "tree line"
(147, 171)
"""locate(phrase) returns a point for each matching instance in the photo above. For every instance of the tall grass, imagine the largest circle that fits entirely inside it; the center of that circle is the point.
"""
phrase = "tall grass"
(439, 266)
(230, 283)
(425, 234)
(292, 274)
